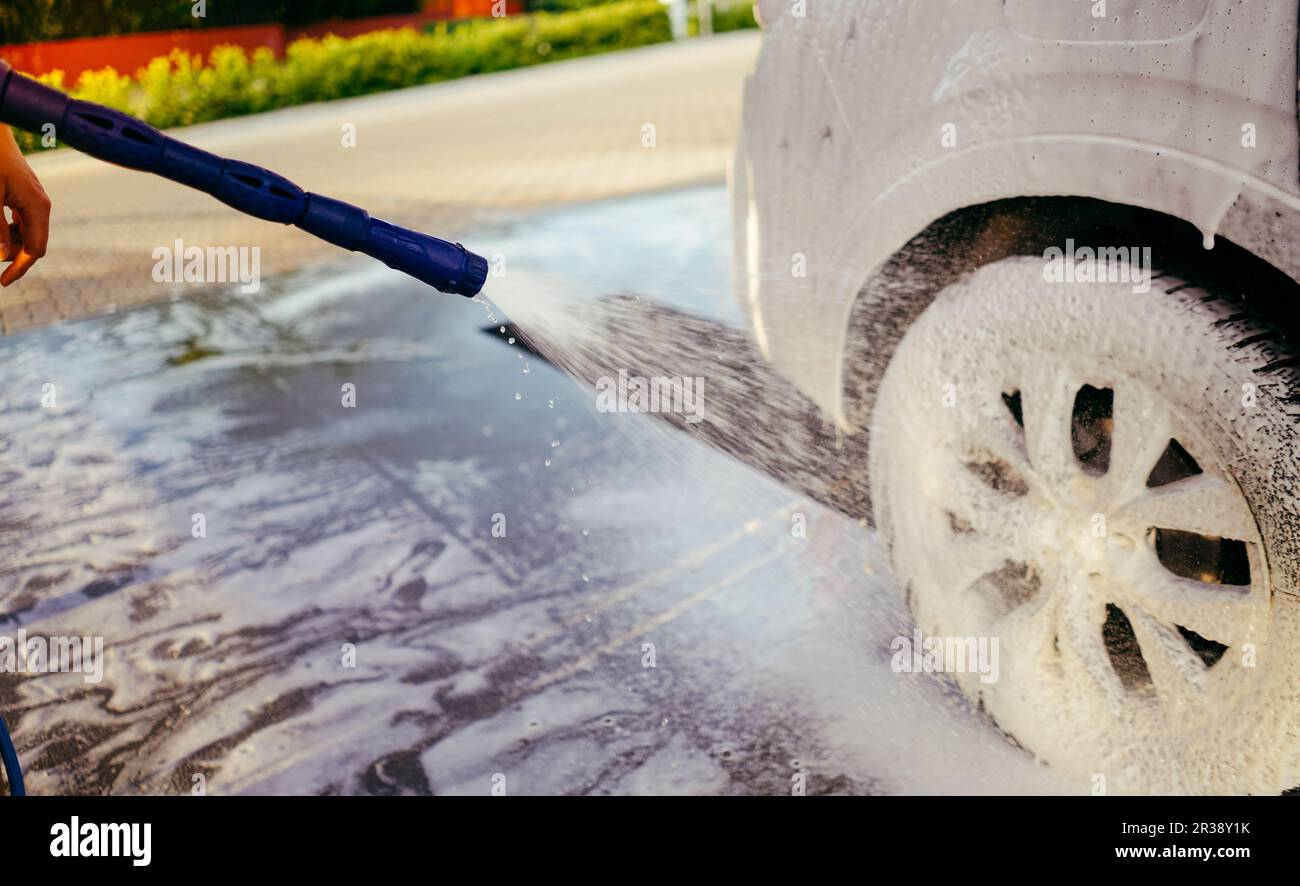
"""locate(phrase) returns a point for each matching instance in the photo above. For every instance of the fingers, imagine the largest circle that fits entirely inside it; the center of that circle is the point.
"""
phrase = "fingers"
(11, 240)
(32, 212)
(19, 267)
(13, 250)
(25, 240)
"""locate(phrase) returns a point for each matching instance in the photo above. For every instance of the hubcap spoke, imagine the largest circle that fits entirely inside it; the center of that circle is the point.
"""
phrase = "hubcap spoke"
(1203, 504)
(1083, 650)
(1140, 432)
(1176, 672)
(969, 559)
(988, 421)
(1028, 630)
(1220, 613)
(992, 513)
(1048, 406)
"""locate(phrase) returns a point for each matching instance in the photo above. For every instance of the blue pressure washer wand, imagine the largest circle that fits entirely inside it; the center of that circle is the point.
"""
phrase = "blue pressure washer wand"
(120, 138)
(9, 759)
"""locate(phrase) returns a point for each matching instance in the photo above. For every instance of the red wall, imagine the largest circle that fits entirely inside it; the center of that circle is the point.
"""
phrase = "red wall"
(482, 8)
(130, 52)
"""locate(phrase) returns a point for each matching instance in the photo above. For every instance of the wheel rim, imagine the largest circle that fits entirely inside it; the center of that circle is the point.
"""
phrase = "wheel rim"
(1088, 558)
(1052, 553)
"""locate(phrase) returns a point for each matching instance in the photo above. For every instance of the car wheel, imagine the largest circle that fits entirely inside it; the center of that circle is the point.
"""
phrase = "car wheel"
(1107, 484)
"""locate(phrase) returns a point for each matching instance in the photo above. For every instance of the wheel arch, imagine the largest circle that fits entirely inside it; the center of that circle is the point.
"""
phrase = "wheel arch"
(847, 155)
(962, 241)
(807, 330)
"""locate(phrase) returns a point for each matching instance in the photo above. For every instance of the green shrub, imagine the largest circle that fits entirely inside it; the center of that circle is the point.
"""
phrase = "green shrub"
(733, 16)
(728, 15)
(176, 91)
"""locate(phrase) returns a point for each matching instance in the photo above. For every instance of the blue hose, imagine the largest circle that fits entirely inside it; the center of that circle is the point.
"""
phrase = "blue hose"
(13, 772)
(122, 139)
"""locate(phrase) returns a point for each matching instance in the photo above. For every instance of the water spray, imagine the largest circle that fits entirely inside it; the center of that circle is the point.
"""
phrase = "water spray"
(122, 139)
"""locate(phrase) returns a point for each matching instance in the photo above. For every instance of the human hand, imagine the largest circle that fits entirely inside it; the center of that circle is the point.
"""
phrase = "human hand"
(23, 241)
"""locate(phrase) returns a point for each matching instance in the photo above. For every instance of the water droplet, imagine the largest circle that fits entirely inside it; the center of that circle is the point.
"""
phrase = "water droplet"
(555, 444)
(510, 340)
(526, 369)
(548, 462)
(518, 396)
(551, 403)
(585, 532)
(492, 318)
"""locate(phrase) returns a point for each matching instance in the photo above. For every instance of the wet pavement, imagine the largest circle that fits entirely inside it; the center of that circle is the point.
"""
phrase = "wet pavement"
(643, 619)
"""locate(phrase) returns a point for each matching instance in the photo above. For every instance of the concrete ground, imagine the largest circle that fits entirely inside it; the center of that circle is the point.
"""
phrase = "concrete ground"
(439, 157)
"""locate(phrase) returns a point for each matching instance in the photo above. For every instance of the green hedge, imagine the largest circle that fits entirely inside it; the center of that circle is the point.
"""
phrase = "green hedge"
(728, 15)
(29, 21)
(175, 91)
(733, 16)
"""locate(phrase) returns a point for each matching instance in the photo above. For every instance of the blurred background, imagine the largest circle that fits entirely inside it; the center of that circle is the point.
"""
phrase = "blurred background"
(275, 74)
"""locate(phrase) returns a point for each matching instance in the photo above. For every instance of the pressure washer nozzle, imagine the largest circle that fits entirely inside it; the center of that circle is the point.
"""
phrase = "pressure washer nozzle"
(122, 139)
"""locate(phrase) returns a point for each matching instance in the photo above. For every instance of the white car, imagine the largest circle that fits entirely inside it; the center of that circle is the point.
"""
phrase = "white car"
(1045, 256)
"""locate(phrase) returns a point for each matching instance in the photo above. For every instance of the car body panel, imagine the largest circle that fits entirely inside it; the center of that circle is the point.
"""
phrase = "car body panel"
(866, 121)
